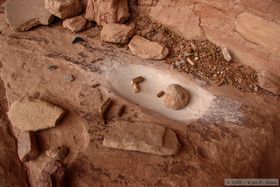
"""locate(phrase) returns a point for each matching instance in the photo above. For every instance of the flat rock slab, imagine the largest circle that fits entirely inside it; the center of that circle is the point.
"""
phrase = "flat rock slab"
(259, 31)
(147, 49)
(27, 147)
(29, 114)
(117, 33)
(75, 24)
(142, 137)
(23, 15)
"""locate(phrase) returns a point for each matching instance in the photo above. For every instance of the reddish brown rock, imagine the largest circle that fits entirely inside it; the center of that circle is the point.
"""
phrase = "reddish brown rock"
(75, 24)
(24, 15)
(57, 153)
(176, 97)
(269, 82)
(110, 11)
(27, 147)
(142, 137)
(117, 33)
(64, 9)
(29, 114)
(52, 175)
(147, 49)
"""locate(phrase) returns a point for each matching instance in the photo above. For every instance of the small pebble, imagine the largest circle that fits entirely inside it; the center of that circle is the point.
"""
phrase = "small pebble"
(52, 67)
(160, 94)
(69, 78)
(77, 40)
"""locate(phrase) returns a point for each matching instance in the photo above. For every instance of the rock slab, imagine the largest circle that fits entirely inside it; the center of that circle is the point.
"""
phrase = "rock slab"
(117, 33)
(24, 15)
(75, 24)
(64, 8)
(176, 97)
(27, 147)
(109, 11)
(29, 114)
(147, 49)
(52, 175)
(269, 82)
(142, 137)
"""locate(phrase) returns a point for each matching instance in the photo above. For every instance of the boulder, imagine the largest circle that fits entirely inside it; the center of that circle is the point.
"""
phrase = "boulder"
(24, 15)
(147, 49)
(142, 137)
(110, 11)
(64, 8)
(117, 33)
(269, 82)
(27, 147)
(57, 153)
(52, 175)
(75, 24)
(29, 114)
(176, 97)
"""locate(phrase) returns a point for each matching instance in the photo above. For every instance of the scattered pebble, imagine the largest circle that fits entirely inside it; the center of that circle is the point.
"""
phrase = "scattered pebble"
(52, 67)
(196, 58)
(160, 94)
(78, 40)
(226, 54)
(69, 78)
(121, 110)
(95, 85)
(179, 63)
(137, 80)
(193, 46)
(190, 61)
(136, 88)
(104, 107)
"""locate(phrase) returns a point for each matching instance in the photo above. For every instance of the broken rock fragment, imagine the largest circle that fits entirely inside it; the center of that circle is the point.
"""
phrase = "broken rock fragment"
(24, 15)
(269, 82)
(109, 11)
(226, 54)
(142, 137)
(57, 153)
(64, 8)
(29, 114)
(52, 175)
(147, 49)
(176, 97)
(75, 24)
(117, 33)
(27, 147)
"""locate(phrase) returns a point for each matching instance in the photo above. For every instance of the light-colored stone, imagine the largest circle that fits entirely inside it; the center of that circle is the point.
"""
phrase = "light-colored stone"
(52, 175)
(178, 17)
(27, 147)
(109, 11)
(176, 97)
(226, 54)
(24, 15)
(117, 33)
(64, 8)
(57, 153)
(147, 49)
(269, 82)
(142, 137)
(259, 31)
(75, 24)
(29, 114)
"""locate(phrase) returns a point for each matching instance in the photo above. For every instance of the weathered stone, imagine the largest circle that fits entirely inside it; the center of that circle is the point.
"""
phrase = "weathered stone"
(64, 8)
(52, 175)
(226, 54)
(117, 33)
(29, 114)
(142, 137)
(57, 153)
(176, 97)
(110, 11)
(27, 147)
(147, 49)
(75, 24)
(69, 78)
(269, 82)
(178, 17)
(24, 15)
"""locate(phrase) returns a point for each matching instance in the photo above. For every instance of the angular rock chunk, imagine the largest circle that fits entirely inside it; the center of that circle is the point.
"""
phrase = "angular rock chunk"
(52, 175)
(117, 33)
(57, 153)
(24, 15)
(109, 11)
(75, 24)
(142, 137)
(27, 147)
(29, 114)
(147, 49)
(269, 82)
(64, 8)
(176, 97)
(226, 54)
